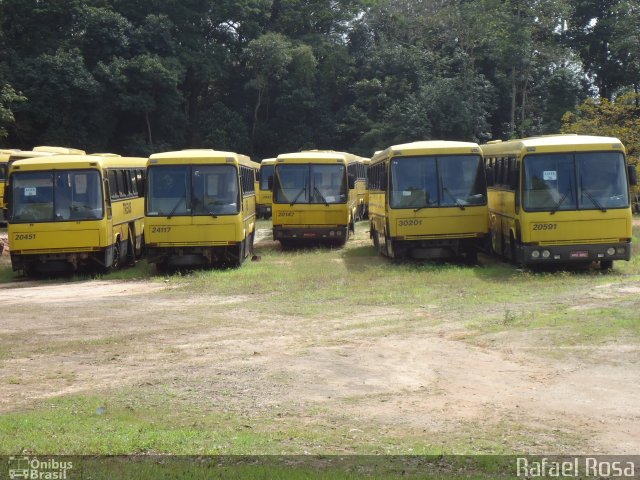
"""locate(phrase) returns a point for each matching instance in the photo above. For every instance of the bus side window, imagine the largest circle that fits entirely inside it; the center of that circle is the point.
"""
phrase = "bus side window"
(113, 185)
(133, 184)
(123, 183)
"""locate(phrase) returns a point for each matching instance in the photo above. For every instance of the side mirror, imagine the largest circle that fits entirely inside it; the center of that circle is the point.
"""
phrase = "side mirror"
(633, 175)
(352, 181)
(270, 182)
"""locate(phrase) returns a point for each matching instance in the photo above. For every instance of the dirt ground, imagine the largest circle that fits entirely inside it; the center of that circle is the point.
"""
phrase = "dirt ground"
(430, 380)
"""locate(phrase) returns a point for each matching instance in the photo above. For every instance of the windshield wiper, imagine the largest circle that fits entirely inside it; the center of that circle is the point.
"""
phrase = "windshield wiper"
(416, 210)
(297, 196)
(173, 210)
(315, 189)
(458, 202)
(595, 202)
(557, 206)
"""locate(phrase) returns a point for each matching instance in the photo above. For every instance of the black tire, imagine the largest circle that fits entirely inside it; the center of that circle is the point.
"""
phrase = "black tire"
(131, 249)
(242, 249)
(115, 261)
(250, 242)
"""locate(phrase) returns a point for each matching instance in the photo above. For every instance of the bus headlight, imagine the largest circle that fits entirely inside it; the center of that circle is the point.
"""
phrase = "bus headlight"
(546, 254)
(621, 250)
(535, 254)
(611, 251)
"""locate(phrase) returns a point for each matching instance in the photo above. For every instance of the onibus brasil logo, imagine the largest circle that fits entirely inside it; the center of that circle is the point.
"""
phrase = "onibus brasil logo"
(36, 469)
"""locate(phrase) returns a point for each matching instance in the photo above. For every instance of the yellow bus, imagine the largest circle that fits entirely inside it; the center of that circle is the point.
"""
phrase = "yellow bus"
(70, 212)
(367, 162)
(263, 193)
(10, 155)
(358, 171)
(559, 199)
(5, 154)
(200, 208)
(428, 200)
(314, 197)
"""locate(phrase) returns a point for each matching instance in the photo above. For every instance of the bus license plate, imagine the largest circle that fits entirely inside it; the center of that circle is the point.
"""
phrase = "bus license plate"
(579, 254)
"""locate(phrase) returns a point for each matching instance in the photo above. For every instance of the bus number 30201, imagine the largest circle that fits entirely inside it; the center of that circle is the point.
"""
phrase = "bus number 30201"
(545, 226)
(409, 223)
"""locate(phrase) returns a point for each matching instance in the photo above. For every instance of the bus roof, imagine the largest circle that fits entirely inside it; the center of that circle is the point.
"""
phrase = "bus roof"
(59, 150)
(268, 161)
(69, 162)
(427, 147)
(321, 156)
(199, 155)
(553, 143)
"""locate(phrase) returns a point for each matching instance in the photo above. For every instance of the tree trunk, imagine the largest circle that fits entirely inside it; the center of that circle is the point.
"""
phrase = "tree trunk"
(523, 107)
(512, 124)
(255, 118)
(146, 117)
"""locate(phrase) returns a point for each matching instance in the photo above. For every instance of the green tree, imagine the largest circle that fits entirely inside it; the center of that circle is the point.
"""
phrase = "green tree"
(619, 118)
(8, 98)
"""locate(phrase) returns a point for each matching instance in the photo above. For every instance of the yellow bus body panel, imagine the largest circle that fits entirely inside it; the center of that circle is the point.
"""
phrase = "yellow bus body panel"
(33, 238)
(310, 215)
(192, 231)
(590, 226)
(439, 223)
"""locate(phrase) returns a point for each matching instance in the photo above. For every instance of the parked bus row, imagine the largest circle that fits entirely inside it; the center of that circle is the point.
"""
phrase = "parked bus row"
(549, 199)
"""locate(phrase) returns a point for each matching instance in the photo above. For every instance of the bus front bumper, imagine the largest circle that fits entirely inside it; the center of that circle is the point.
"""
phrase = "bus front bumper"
(337, 232)
(539, 254)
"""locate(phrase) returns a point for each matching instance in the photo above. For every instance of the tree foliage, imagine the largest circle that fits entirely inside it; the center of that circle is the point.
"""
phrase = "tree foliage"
(267, 76)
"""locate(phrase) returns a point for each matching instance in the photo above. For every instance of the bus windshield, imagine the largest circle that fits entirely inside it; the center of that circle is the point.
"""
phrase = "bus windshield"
(311, 183)
(266, 171)
(575, 181)
(58, 196)
(193, 190)
(442, 181)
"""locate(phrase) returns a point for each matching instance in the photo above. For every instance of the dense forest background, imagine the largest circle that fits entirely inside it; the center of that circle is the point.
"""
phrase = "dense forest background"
(267, 76)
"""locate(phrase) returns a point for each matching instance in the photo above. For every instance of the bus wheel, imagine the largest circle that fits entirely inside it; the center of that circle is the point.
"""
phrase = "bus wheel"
(389, 250)
(131, 249)
(251, 240)
(115, 261)
(237, 262)
(606, 264)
